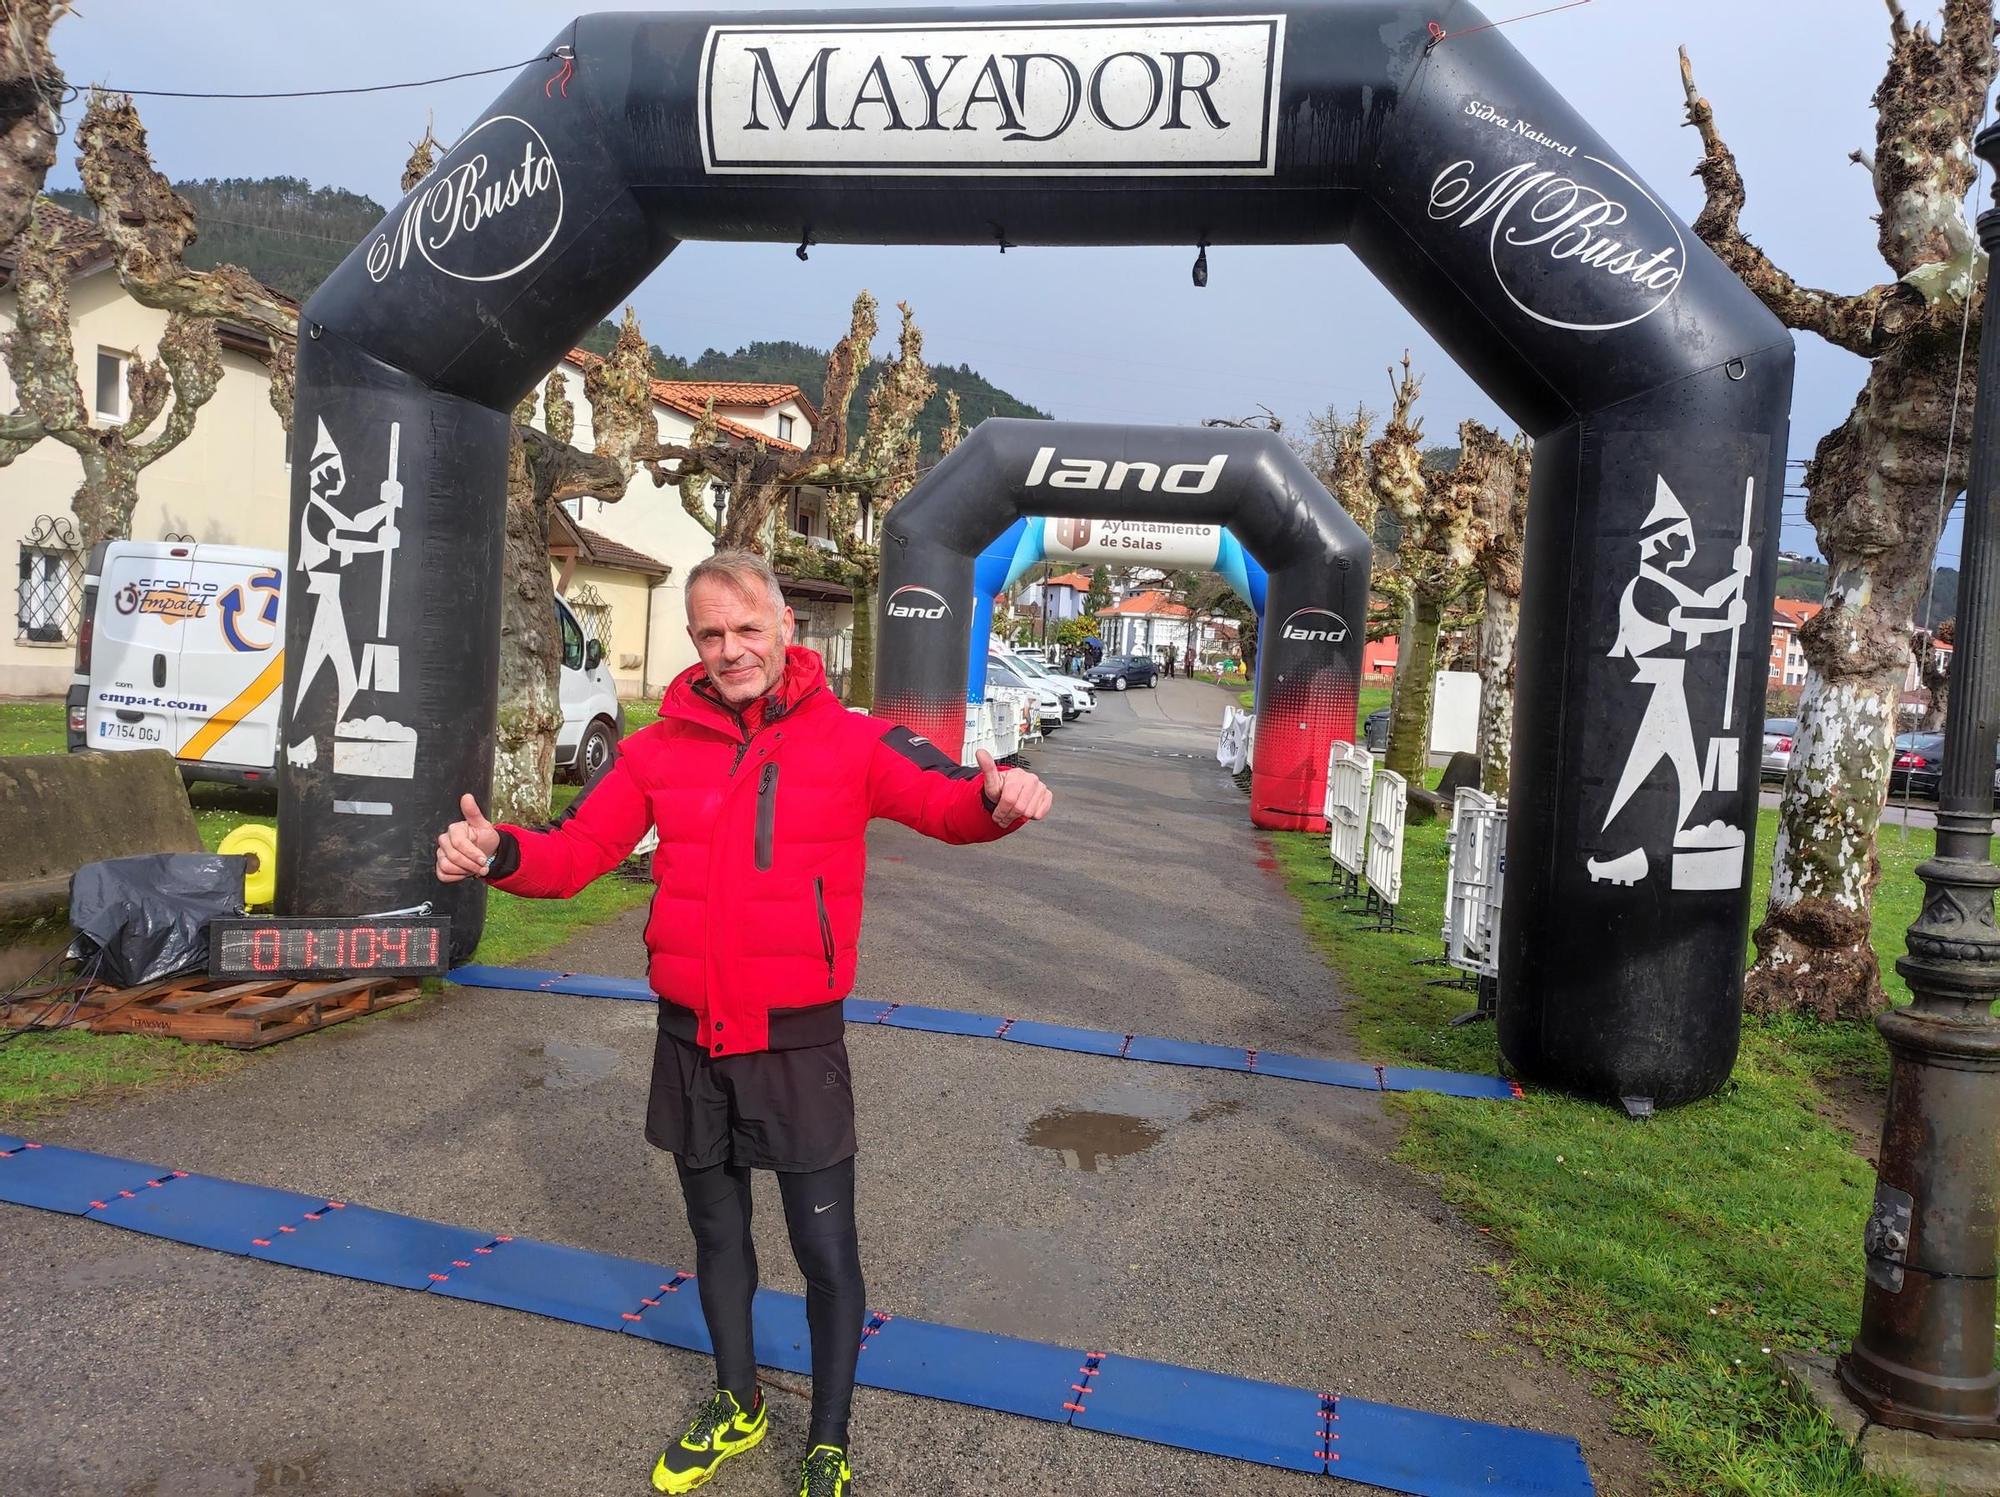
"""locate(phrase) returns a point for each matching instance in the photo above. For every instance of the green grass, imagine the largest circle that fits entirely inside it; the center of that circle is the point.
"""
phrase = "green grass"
(1664, 1261)
(43, 1073)
(32, 728)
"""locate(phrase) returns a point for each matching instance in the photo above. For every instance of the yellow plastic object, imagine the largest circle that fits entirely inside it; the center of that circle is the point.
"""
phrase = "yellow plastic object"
(260, 845)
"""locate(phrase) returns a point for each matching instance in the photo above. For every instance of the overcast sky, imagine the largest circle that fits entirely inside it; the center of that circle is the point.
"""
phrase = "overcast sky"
(1104, 334)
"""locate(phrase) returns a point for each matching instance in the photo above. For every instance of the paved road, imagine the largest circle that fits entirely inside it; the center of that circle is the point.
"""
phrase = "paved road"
(1238, 1223)
(1895, 814)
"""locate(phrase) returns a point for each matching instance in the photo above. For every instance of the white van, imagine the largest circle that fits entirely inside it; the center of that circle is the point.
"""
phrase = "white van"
(182, 648)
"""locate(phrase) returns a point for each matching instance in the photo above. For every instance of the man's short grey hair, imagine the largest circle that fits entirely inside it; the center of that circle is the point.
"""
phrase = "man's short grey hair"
(744, 572)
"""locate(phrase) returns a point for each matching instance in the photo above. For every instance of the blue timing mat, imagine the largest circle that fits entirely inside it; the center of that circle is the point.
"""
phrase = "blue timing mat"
(68, 1180)
(201, 1211)
(1405, 1450)
(1263, 1422)
(1029, 1378)
(1049, 1036)
(379, 1247)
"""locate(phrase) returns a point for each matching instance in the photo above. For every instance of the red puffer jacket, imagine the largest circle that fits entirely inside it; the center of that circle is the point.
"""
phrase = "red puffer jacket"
(762, 853)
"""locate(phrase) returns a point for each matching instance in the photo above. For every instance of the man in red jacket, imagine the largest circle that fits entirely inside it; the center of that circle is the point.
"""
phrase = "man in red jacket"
(761, 786)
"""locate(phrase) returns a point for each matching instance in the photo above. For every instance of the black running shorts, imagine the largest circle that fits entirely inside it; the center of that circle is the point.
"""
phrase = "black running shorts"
(789, 1110)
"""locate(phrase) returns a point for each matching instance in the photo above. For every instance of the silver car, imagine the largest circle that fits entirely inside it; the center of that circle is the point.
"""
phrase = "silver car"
(1779, 735)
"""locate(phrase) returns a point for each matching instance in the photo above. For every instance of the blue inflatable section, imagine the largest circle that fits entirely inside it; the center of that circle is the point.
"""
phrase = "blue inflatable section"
(1021, 545)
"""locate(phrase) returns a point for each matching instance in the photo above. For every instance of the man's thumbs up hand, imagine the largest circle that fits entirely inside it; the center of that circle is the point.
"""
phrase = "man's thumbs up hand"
(466, 848)
(1014, 795)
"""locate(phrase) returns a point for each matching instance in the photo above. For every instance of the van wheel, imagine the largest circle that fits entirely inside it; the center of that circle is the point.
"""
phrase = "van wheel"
(594, 752)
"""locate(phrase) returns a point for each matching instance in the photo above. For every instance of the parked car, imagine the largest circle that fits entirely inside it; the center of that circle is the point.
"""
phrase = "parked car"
(1917, 771)
(1000, 673)
(1779, 734)
(1918, 768)
(1118, 672)
(1076, 693)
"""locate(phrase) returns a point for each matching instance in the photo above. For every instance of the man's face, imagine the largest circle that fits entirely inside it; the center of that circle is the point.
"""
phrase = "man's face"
(741, 637)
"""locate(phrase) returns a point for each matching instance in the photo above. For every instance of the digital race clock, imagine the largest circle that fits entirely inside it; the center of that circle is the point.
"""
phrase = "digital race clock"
(387, 946)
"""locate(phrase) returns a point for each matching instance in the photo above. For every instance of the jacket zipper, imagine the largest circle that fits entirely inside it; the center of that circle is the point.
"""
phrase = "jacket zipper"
(767, 812)
(825, 927)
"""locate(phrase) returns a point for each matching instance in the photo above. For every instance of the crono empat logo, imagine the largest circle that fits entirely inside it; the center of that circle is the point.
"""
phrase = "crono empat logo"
(1314, 626)
(913, 602)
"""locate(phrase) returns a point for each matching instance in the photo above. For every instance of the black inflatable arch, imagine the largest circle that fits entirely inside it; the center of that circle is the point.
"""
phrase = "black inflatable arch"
(1655, 385)
(1308, 660)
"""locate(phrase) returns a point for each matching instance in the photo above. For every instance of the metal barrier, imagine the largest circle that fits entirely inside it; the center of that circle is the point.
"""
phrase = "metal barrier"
(1388, 802)
(1475, 870)
(978, 733)
(1350, 769)
(1239, 730)
(1473, 874)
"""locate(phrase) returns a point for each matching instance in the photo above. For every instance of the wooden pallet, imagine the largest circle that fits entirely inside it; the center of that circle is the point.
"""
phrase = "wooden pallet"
(241, 1015)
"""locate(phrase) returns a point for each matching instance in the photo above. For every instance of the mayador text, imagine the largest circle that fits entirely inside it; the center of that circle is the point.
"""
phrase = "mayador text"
(1026, 96)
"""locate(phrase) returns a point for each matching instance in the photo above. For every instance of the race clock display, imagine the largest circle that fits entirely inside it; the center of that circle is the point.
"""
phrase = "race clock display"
(392, 946)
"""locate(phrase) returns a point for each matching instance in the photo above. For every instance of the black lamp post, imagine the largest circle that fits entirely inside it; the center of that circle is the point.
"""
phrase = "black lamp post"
(1924, 1357)
(719, 496)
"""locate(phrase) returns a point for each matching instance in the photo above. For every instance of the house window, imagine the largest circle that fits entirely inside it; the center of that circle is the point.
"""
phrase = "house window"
(111, 384)
(784, 428)
(49, 595)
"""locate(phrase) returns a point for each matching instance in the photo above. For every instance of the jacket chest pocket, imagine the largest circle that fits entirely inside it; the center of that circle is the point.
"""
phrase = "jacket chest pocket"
(767, 816)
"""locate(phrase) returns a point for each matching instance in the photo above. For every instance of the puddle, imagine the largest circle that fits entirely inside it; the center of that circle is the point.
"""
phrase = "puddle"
(1083, 1138)
(1124, 1119)
(566, 1066)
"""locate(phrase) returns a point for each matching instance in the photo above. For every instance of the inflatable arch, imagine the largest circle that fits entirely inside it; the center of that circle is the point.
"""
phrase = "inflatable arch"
(1314, 557)
(1655, 386)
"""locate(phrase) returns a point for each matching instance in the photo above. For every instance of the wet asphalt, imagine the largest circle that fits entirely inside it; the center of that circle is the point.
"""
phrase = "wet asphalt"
(1231, 1222)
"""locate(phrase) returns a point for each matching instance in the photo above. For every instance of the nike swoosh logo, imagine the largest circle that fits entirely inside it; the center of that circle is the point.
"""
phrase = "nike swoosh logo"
(827, 1207)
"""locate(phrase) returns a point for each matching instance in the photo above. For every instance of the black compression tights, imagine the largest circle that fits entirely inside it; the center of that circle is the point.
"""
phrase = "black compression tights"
(819, 1214)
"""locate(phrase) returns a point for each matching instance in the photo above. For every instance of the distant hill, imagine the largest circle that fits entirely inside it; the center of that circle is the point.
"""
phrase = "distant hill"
(283, 230)
(788, 363)
(291, 235)
(1806, 581)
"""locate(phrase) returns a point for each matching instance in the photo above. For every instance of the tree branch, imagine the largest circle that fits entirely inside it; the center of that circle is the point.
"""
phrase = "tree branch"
(191, 360)
(1847, 322)
(150, 227)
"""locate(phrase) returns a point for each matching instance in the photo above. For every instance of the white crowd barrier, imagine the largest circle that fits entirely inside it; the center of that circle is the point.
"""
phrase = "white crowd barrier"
(1349, 772)
(1387, 805)
(1233, 747)
(978, 733)
(1006, 721)
(1474, 872)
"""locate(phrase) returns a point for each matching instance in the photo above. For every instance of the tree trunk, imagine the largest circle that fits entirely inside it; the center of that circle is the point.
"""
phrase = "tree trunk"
(530, 657)
(1499, 632)
(861, 666)
(1874, 483)
(1416, 687)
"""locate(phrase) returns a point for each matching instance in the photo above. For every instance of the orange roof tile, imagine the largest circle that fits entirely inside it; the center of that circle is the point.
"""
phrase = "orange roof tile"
(676, 395)
(1794, 611)
(1078, 580)
(1153, 603)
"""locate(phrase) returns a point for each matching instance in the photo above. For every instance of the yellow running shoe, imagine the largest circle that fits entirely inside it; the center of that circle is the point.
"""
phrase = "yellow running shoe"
(719, 1431)
(824, 1473)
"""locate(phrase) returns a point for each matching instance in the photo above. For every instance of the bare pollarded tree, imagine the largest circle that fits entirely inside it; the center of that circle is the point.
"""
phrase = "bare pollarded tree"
(1875, 486)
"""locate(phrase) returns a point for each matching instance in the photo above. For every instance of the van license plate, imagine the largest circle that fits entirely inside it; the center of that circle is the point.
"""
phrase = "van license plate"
(135, 732)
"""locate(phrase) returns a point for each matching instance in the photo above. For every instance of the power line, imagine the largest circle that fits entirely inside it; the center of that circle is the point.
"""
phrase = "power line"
(560, 54)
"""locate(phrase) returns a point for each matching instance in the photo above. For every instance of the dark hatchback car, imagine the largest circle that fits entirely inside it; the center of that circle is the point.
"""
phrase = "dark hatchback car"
(1117, 672)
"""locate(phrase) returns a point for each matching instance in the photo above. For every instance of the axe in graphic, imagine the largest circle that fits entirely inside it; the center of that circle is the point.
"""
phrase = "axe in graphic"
(392, 500)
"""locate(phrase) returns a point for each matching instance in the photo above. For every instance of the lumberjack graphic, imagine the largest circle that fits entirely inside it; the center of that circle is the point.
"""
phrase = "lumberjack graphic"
(1662, 622)
(330, 538)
